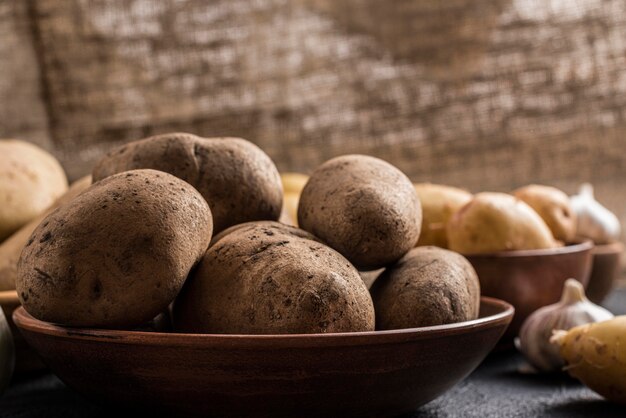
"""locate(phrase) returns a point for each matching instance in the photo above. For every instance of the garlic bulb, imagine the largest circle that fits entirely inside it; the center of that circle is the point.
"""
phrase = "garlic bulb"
(7, 353)
(594, 220)
(572, 310)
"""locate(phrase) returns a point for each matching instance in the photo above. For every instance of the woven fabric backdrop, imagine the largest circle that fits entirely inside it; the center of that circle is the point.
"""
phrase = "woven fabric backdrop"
(483, 94)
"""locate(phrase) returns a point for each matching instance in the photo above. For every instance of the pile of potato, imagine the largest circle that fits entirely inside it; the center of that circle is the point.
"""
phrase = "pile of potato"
(532, 217)
(187, 228)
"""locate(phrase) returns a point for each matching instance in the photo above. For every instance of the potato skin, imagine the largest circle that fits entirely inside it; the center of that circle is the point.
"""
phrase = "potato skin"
(270, 278)
(30, 181)
(428, 286)
(493, 222)
(238, 180)
(11, 248)
(116, 255)
(596, 355)
(439, 203)
(553, 206)
(363, 207)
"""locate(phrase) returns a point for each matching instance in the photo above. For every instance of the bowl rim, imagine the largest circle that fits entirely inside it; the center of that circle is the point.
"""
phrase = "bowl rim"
(503, 316)
(616, 247)
(579, 247)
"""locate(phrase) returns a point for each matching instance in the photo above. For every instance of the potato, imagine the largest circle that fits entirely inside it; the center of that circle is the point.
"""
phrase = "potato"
(30, 180)
(237, 179)
(290, 208)
(269, 278)
(554, 208)
(428, 286)
(596, 355)
(293, 183)
(439, 203)
(11, 248)
(363, 207)
(117, 254)
(493, 222)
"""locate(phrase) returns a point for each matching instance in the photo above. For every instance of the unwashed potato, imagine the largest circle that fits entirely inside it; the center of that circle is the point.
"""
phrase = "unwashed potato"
(363, 207)
(553, 206)
(493, 222)
(117, 254)
(428, 286)
(238, 180)
(439, 203)
(30, 180)
(270, 278)
(11, 248)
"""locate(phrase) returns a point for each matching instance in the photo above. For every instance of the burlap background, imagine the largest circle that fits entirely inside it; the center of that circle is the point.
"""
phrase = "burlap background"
(485, 94)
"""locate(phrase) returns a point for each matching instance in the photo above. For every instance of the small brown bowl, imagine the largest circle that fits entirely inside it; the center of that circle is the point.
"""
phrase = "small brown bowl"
(531, 279)
(606, 268)
(26, 359)
(368, 374)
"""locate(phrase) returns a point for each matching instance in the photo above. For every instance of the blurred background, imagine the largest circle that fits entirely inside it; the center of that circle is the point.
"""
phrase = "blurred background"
(481, 94)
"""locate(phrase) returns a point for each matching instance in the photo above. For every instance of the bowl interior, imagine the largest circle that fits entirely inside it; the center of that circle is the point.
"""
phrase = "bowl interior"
(362, 374)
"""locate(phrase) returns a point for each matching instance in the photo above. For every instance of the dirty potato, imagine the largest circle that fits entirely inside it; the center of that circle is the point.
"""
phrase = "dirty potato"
(270, 278)
(117, 254)
(238, 180)
(428, 286)
(363, 207)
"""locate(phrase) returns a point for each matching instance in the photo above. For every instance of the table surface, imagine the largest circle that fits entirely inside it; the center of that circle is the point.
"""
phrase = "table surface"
(496, 389)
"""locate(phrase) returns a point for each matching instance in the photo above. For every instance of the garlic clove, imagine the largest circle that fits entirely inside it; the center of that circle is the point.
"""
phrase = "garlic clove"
(572, 310)
(594, 221)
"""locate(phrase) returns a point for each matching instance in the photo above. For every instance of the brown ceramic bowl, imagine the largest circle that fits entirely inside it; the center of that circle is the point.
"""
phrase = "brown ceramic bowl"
(530, 279)
(26, 359)
(606, 268)
(369, 374)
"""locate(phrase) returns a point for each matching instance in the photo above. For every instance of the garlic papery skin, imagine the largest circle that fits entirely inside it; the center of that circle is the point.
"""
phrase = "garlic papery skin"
(572, 310)
(595, 222)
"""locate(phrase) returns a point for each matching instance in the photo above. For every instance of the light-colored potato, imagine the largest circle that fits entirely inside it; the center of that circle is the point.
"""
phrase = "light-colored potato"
(363, 207)
(30, 181)
(493, 222)
(439, 203)
(596, 355)
(270, 278)
(238, 180)
(293, 182)
(290, 208)
(11, 248)
(553, 206)
(428, 286)
(117, 254)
